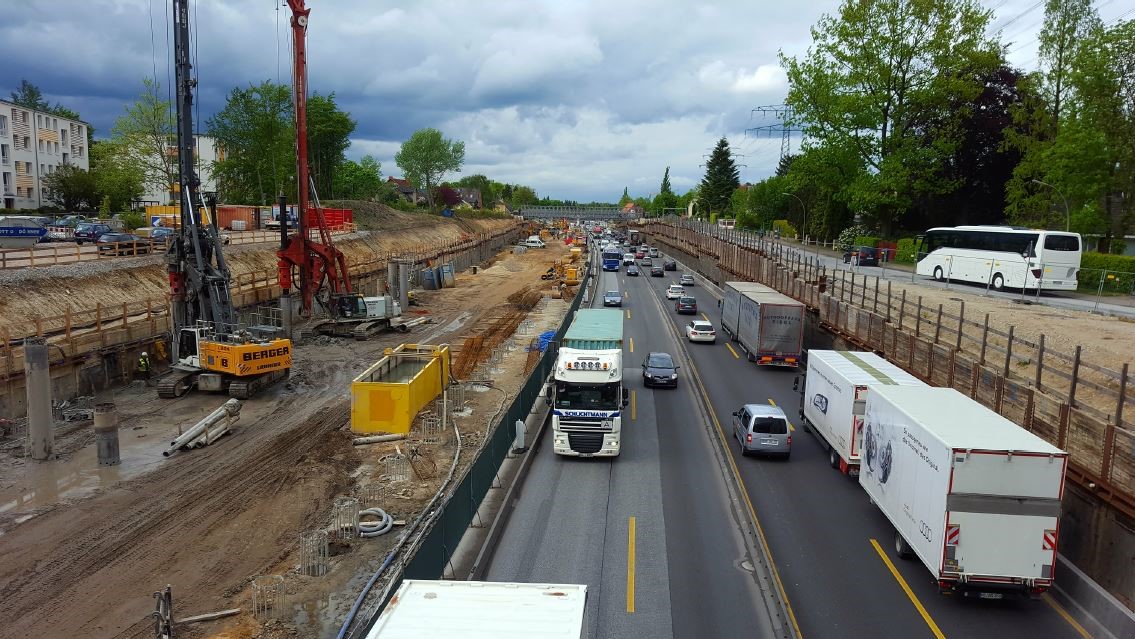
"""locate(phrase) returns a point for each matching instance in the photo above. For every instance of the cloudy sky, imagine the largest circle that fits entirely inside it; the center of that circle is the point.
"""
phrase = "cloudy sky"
(575, 98)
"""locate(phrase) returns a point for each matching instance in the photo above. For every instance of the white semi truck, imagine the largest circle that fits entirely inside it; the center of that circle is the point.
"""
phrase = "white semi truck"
(588, 394)
(474, 609)
(974, 496)
(835, 398)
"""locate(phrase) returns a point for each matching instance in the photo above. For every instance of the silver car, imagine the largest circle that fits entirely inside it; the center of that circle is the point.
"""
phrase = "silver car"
(612, 298)
(762, 430)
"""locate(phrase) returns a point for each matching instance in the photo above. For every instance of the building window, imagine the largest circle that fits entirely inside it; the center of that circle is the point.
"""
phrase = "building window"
(5, 155)
(3, 125)
(41, 145)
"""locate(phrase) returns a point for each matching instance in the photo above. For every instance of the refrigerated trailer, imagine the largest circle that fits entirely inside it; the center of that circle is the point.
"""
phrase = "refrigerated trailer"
(974, 496)
(472, 609)
(835, 397)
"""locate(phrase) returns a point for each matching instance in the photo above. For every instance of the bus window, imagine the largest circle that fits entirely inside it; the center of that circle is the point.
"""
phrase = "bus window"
(1061, 243)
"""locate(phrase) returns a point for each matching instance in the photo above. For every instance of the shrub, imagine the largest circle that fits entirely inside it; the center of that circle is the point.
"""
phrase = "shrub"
(1119, 277)
(133, 220)
(866, 240)
(906, 249)
(784, 228)
(848, 236)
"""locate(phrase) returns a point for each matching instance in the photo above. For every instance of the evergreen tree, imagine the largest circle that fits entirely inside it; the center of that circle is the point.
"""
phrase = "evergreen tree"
(626, 197)
(666, 199)
(721, 179)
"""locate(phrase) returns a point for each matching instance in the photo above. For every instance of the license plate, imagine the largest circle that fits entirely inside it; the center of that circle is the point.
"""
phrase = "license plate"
(990, 595)
(768, 442)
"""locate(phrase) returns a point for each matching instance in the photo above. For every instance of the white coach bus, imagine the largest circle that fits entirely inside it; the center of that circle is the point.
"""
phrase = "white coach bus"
(1001, 257)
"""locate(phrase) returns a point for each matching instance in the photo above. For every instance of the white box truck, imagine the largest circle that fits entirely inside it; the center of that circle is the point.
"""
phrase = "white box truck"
(493, 610)
(974, 496)
(835, 398)
(771, 328)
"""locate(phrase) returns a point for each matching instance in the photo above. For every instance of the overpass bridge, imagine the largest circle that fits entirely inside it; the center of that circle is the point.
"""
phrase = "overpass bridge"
(575, 213)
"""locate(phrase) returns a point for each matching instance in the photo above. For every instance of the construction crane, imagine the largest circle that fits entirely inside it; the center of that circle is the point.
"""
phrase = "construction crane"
(321, 267)
(211, 350)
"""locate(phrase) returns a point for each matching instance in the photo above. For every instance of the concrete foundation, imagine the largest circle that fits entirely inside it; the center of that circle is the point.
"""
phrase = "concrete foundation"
(404, 283)
(106, 434)
(37, 372)
(392, 278)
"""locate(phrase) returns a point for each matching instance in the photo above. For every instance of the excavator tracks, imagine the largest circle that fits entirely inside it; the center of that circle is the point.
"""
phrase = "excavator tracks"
(176, 384)
(245, 388)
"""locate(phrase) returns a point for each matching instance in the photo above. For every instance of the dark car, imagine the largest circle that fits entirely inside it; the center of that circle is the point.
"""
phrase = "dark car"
(669, 264)
(89, 232)
(123, 244)
(656, 271)
(659, 369)
(866, 256)
(632, 271)
(686, 306)
(162, 234)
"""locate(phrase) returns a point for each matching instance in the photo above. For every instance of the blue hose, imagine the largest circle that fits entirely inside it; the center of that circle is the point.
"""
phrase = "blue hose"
(362, 596)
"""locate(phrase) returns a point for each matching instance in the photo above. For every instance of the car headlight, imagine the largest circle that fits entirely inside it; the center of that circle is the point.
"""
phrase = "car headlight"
(674, 376)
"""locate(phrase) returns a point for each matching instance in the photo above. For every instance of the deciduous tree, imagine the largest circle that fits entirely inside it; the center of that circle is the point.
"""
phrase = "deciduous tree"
(255, 128)
(427, 156)
(328, 136)
(71, 188)
(145, 133)
(117, 178)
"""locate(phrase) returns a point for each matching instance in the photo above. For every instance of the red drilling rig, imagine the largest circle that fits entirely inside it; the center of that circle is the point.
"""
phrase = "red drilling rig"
(321, 266)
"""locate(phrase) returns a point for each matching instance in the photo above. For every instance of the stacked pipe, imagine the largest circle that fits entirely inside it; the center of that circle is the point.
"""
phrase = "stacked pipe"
(214, 426)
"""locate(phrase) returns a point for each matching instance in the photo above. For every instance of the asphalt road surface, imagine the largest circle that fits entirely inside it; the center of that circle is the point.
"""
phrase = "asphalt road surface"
(820, 525)
(688, 573)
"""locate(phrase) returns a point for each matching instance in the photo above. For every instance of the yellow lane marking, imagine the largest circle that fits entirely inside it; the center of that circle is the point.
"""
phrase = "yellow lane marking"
(628, 313)
(790, 426)
(704, 317)
(1067, 617)
(633, 406)
(630, 565)
(631, 342)
(909, 593)
(748, 501)
(732, 351)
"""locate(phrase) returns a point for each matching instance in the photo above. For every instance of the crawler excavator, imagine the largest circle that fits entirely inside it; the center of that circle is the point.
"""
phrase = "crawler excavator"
(211, 350)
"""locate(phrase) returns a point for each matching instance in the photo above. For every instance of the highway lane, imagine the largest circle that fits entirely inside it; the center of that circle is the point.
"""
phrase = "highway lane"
(819, 523)
(690, 575)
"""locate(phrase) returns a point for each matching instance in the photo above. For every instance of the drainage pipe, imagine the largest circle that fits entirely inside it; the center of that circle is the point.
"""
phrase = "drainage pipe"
(375, 439)
(229, 409)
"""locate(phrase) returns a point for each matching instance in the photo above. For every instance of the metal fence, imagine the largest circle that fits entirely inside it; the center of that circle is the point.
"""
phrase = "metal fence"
(1063, 398)
(428, 557)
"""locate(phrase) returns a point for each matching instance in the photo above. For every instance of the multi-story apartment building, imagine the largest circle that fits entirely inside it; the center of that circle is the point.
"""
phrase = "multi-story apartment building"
(34, 144)
(205, 153)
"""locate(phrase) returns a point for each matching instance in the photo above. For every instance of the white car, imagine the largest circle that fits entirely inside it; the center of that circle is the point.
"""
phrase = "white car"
(628, 258)
(700, 331)
(674, 292)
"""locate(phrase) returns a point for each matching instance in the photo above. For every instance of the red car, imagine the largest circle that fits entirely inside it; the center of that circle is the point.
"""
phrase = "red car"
(639, 255)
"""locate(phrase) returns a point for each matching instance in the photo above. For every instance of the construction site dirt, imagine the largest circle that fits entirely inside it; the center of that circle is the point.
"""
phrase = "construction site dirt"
(83, 548)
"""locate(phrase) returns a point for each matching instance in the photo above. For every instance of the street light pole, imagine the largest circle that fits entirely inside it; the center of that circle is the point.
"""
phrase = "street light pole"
(1067, 214)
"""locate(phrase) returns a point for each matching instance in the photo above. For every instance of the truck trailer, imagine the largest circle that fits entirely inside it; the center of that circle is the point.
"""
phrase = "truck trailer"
(472, 609)
(588, 394)
(769, 325)
(974, 496)
(835, 399)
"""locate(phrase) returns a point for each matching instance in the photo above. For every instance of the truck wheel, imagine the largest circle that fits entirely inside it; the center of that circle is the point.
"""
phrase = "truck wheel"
(833, 458)
(902, 549)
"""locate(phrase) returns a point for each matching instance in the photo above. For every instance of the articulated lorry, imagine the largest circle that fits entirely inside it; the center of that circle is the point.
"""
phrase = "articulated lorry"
(768, 325)
(835, 399)
(974, 496)
(473, 609)
(588, 395)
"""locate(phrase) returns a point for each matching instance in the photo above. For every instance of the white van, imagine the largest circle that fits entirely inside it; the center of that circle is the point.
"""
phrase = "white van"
(628, 259)
(534, 241)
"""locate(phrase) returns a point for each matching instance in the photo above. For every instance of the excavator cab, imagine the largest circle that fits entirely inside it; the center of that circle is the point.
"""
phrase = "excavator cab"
(348, 306)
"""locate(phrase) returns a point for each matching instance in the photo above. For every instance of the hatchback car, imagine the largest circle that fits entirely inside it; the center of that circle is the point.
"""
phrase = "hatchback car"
(123, 244)
(628, 258)
(863, 255)
(761, 429)
(632, 271)
(674, 292)
(646, 261)
(653, 252)
(612, 298)
(669, 264)
(639, 254)
(700, 331)
(656, 271)
(88, 232)
(686, 306)
(659, 369)
(686, 279)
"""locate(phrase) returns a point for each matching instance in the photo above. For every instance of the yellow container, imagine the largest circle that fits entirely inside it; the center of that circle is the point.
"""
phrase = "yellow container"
(170, 215)
(386, 397)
